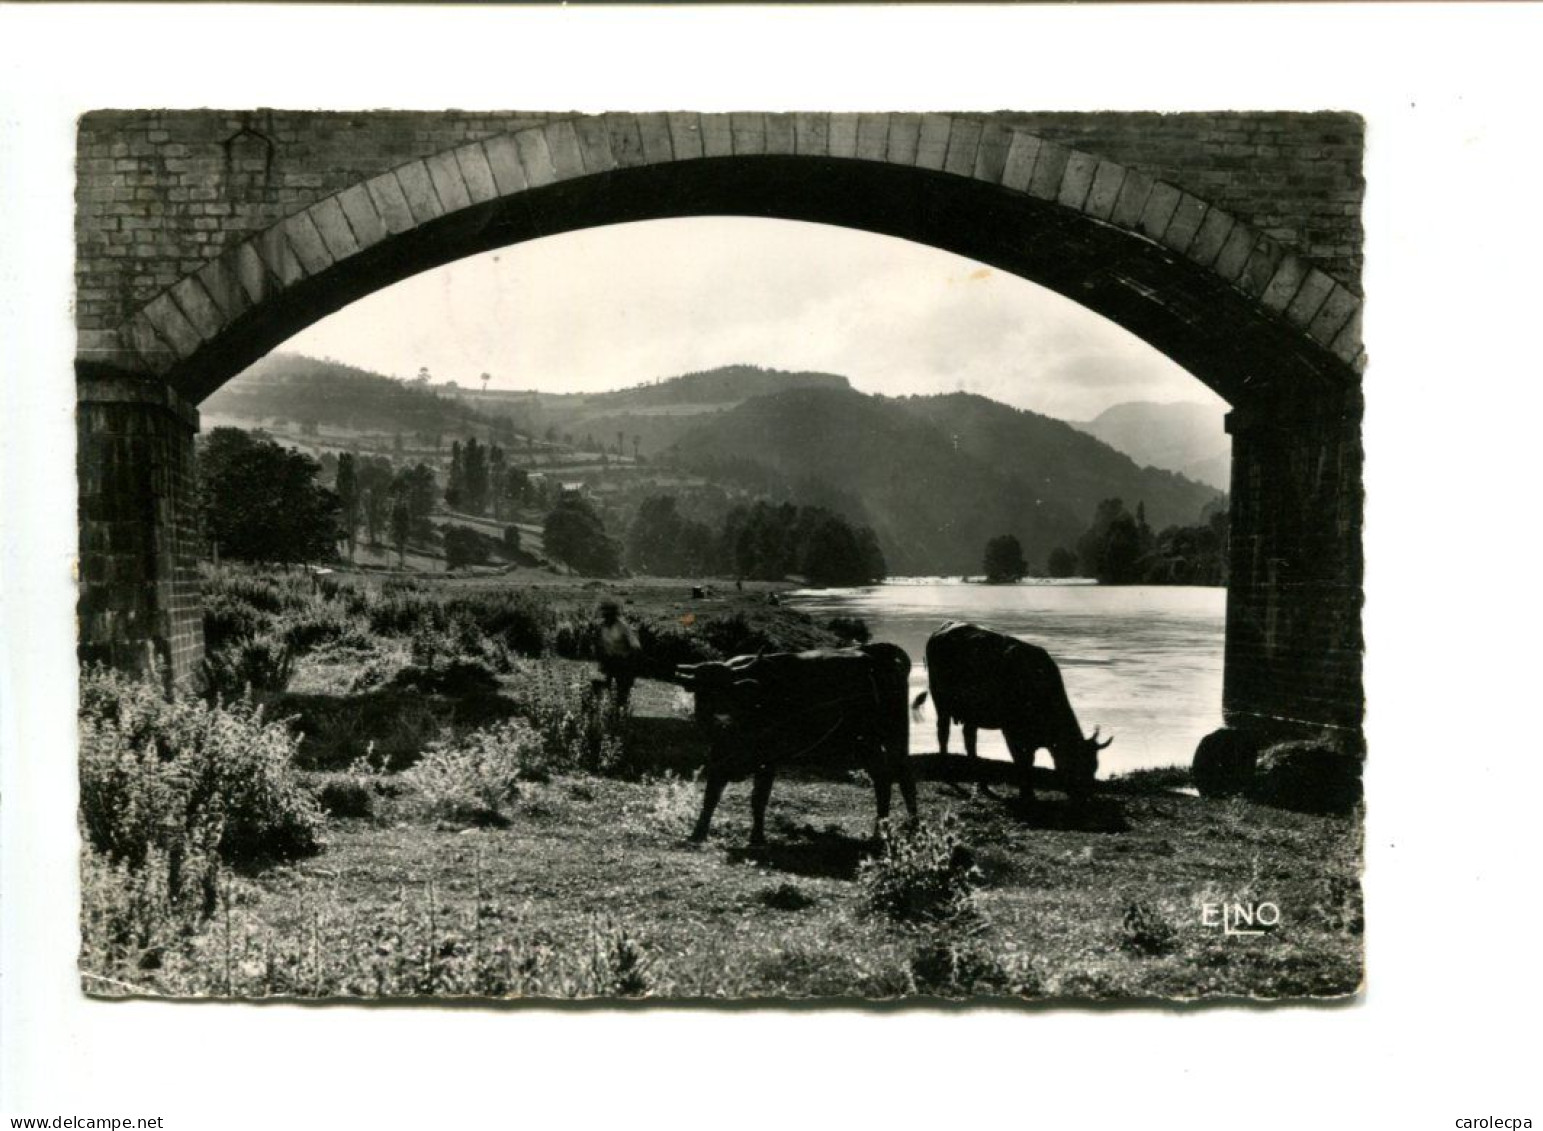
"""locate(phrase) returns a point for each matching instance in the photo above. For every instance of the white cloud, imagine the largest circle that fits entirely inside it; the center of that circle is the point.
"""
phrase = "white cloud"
(605, 307)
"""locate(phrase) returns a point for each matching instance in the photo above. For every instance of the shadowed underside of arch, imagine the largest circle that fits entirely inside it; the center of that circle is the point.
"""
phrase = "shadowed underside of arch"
(1270, 332)
(1221, 299)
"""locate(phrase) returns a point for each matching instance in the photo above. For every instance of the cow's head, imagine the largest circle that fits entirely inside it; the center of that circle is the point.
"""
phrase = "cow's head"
(726, 696)
(1079, 764)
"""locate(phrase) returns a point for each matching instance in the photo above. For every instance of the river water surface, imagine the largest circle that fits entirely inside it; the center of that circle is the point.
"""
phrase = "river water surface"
(1143, 662)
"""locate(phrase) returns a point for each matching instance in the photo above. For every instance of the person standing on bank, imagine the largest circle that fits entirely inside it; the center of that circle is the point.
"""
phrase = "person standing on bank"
(620, 652)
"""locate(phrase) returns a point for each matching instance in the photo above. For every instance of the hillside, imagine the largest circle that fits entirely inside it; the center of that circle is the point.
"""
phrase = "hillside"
(1184, 437)
(934, 476)
(937, 476)
(657, 414)
(300, 389)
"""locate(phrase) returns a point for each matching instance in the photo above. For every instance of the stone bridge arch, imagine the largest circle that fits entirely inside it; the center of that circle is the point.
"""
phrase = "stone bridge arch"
(1261, 323)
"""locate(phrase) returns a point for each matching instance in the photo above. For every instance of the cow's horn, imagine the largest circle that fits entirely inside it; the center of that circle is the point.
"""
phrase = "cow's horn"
(1097, 745)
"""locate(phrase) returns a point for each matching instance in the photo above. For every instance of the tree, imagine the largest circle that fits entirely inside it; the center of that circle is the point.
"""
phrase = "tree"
(347, 487)
(261, 502)
(375, 476)
(1111, 549)
(401, 527)
(654, 537)
(832, 555)
(1062, 563)
(573, 533)
(464, 547)
(1004, 560)
(474, 458)
(455, 489)
(415, 489)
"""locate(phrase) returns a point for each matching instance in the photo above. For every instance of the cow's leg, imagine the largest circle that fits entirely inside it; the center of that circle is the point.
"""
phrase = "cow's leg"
(716, 780)
(759, 796)
(943, 721)
(970, 735)
(908, 784)
(1023, 757)
(883, 786)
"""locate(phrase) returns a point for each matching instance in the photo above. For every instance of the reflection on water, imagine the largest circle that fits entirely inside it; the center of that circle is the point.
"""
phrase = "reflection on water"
(1143, 662)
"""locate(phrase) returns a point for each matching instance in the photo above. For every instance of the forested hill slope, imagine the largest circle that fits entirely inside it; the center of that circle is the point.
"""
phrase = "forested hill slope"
(937, 476)
(293, 387)
(1062, 463)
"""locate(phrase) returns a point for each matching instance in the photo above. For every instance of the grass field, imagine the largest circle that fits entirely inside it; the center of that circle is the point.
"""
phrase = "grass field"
(568, 873)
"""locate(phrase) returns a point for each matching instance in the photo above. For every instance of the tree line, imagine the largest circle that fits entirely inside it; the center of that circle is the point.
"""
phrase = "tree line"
(263, 502)
(1120, 548)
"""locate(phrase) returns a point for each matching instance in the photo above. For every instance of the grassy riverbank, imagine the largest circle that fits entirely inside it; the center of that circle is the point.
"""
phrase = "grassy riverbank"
(511, 835)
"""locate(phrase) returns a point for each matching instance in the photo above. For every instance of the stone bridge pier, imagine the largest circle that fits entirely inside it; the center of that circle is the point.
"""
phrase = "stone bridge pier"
(139, 607)
(1229, 242)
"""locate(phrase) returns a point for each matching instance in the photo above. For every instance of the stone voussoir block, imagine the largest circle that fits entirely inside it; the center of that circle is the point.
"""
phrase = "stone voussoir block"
(562, 143)
(594, 144)
(717, 135)
(654, 130)
(504, 160)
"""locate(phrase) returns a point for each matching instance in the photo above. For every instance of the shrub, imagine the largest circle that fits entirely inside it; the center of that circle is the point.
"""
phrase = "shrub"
(675, 804)
(263, 664)
(580, 726)
(617, 966)
(670, 643)
(315, 623)
(131, 916)
(461, 678)
(1309, 776)
(924, 873)
(401, 611)
(853, 630)
(735, 635)
(522, 621)
(228, 619)
(957, 968)
(264, 593)
(187, 778)
(466, 547)
(346, 797)
(473, 778)
(1144, 930)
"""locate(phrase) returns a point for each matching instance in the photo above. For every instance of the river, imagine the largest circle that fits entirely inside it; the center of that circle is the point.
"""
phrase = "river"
(1143, 662)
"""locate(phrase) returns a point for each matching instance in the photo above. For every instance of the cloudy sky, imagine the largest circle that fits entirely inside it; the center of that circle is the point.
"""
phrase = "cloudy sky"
(609, 307)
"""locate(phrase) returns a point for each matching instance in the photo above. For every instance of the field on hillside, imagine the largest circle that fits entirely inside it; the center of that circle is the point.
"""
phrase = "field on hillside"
(429, 796)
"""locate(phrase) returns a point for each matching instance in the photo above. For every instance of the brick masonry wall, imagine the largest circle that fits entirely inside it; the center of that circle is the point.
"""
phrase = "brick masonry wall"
(1295, 177)
(1294, 592)
(140, 606)
(161, 192)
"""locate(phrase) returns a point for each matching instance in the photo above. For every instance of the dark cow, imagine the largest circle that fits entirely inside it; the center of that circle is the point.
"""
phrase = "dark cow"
(981, 678)
(769, 710)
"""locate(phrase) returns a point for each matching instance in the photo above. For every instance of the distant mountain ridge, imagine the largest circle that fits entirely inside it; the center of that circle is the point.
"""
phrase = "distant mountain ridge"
(936, 477)
(1181, 436)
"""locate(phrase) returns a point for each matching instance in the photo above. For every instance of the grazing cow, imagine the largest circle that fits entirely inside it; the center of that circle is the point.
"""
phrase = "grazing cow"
(769, 710)
(981, 678)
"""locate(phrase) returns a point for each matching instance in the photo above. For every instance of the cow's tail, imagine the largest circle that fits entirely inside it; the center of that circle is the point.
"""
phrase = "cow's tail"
(916, 707)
